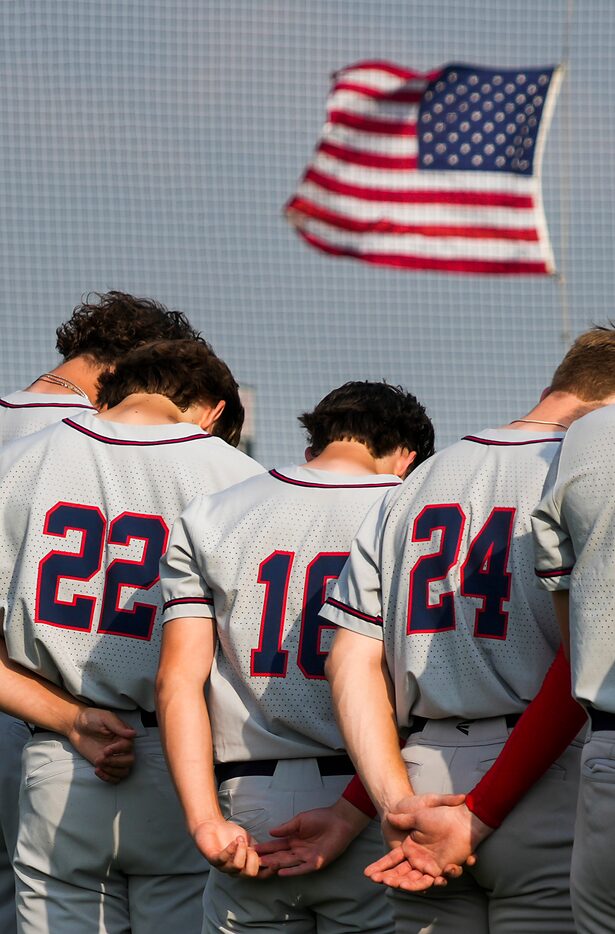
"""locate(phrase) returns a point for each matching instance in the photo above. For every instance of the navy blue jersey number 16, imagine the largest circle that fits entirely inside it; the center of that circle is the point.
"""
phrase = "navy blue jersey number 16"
(269, 658)
(60, 568)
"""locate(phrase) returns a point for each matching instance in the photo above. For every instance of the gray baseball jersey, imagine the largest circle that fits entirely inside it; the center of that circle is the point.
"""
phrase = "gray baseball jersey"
(22, 413)
(574, 528)
(259, 560)
(442, 570)
(86, 508)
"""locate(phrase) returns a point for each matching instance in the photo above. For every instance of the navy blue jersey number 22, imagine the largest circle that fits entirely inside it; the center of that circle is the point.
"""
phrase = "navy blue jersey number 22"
(59, 566)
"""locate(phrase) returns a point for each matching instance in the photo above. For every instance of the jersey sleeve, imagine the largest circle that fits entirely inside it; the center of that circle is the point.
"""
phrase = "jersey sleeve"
(184, 589)
(553, 550)
(355, 602)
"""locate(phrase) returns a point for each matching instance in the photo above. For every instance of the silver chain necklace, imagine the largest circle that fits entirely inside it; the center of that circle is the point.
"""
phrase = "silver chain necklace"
(59, 381)
(539, 421)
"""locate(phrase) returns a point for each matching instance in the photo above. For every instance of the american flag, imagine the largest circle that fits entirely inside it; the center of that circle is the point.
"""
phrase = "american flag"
(437, 171)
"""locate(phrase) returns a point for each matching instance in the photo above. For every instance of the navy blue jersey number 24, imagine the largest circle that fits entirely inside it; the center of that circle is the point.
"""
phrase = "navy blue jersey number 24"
(483, 572)
(57, 567)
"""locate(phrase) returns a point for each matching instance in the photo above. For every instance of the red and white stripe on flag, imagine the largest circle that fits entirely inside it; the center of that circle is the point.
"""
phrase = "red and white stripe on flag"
(437, 171)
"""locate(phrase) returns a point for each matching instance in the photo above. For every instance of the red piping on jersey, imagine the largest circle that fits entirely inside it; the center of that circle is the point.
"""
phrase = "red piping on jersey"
(327, 486)
(509, 443)
(557, 572)
(106, 440)
(46, 405)
(338, 605)
(182, 600)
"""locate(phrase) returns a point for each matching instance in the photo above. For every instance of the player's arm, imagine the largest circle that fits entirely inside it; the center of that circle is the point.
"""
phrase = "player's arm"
(98, 735)
(188, 646)
(186, 658)
(363, 701)
(361, 687)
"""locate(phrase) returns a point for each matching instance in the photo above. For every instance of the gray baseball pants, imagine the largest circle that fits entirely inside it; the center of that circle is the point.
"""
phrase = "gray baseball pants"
(94, 858)
(335, 900)
(520, 884)
(593, 858)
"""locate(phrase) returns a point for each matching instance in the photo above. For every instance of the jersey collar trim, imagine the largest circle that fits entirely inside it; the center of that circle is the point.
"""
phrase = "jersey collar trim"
(124, 442)
(46, 405)
(277, 475)
(499, 442)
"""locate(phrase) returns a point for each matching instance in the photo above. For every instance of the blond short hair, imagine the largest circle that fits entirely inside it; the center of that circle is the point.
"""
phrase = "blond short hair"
(588, 369)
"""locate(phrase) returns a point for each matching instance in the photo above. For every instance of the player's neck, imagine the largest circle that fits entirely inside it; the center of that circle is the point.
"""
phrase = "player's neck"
(347, 457)
(80, 372)
(144, 408)
(556, 412)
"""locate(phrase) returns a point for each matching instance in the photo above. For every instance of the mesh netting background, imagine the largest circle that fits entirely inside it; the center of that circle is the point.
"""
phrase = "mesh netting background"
(150, 146)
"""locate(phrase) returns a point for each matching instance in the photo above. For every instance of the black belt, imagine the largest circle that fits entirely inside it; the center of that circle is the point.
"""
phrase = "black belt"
(327, 765)
(600, 719)
(419, 723)
(148, 719)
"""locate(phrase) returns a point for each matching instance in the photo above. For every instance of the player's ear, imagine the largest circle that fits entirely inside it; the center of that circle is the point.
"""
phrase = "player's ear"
(545, 392)
(211, 414)
(309, 456)
(404, 462)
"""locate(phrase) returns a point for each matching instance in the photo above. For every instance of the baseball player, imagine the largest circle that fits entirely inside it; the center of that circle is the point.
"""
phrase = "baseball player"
(90, 342)
(438, 604)
(85, 511)
(98, 332)
(248, 570)
(574, 526)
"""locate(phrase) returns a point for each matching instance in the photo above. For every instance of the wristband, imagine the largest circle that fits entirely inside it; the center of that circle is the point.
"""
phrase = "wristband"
(355, 794)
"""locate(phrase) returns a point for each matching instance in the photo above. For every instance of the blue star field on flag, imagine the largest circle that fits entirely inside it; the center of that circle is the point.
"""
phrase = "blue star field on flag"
(482, 119)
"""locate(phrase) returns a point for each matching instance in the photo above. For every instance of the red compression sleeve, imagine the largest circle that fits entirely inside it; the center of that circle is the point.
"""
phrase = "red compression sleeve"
(355, 793)
(548, 725)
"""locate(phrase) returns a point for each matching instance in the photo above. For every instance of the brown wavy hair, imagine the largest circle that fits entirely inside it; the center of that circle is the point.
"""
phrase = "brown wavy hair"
(106, 326)
(185, 371)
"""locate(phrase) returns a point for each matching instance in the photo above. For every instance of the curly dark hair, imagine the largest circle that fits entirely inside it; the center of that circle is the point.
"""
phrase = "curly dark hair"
(106, 329)
(381, 416)
(186, 371)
